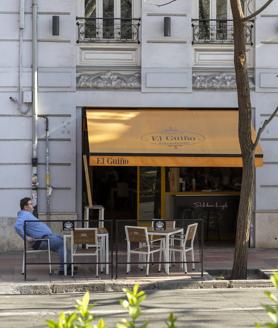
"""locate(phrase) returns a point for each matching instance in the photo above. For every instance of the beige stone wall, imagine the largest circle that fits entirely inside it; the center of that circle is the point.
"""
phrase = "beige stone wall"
(267, 230)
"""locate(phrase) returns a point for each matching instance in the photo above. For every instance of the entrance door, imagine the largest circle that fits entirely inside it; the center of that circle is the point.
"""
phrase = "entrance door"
(115, 189)
(149, 206)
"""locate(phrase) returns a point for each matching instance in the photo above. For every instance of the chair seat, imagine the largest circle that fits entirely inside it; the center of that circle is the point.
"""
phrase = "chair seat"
(86, 251)
(144, 249)
(178, 248)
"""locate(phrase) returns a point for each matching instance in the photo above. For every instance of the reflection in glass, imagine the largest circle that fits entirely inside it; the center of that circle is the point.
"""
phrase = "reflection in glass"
(221, 16)
(108, 19)
(126, 22)
(196, 179)
(90, 25)
(150, 193)
(204, 16)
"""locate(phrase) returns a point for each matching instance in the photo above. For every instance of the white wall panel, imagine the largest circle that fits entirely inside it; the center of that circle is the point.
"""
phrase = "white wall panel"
(15, 128)
(60, 176)
(60, 152)
(11, 199)
(59, 127)
(10, 49)
(9, 5)
(62, 201)
(52, 54)
(57, 103)
(9, 26)
(270, 150)
(15, 152)
(267, 175)
(15, 176)
(271, 130)
(266, 198)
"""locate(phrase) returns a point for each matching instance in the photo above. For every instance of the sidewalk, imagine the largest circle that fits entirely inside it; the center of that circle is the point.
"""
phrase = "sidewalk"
(215, 259)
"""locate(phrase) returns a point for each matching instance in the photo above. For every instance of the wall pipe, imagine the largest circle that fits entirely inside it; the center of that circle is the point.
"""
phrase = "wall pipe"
(21, 24)
(35, 106)
(47, 167)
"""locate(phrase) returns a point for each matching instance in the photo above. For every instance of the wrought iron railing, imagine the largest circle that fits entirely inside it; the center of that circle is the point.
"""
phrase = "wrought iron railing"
(108, 29)
(216, 31)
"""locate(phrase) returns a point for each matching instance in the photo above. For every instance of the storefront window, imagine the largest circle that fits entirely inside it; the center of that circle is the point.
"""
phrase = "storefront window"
(191, 179)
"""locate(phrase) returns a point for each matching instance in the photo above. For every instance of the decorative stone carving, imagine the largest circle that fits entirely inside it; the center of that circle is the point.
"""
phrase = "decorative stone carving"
(216, 81)
(109, 80)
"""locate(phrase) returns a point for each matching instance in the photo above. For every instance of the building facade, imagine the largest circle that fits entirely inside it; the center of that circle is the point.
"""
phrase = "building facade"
(122, 55)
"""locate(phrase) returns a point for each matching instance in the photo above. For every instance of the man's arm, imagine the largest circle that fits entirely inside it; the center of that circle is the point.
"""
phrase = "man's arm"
(20, 231)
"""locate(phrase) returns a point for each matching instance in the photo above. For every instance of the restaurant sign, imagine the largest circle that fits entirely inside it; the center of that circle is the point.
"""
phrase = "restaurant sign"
(172, 137)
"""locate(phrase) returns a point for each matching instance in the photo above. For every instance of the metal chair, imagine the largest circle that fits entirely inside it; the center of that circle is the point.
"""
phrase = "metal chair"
(184, 248)
(30, 250)
(139, 235)
(84, 236)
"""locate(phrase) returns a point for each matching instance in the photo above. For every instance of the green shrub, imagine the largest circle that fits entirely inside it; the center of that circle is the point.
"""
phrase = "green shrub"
(272, 310)
(82, 317)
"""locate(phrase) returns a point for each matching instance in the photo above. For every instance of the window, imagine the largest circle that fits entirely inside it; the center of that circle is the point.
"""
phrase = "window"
(213, 15)
(110, 20)
(214, 23)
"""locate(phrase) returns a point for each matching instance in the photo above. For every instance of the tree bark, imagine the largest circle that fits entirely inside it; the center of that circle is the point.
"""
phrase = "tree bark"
(246, 203)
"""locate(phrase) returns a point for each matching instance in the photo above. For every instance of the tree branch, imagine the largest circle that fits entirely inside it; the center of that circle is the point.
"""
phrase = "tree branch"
(166, 3)
(262, 128)
(257, 11)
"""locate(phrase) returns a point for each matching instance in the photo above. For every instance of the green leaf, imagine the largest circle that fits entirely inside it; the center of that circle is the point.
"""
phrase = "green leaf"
(274, 280)
(51, 324)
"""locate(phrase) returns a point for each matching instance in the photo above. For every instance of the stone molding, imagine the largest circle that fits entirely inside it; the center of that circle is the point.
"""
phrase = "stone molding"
(216, 81)
(109, 80)
(132, 80)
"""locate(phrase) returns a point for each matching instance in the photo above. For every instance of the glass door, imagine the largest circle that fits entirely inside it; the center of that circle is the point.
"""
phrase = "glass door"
(149, 193)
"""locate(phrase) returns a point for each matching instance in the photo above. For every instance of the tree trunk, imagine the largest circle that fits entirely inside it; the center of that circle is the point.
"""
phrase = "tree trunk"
(246, 144)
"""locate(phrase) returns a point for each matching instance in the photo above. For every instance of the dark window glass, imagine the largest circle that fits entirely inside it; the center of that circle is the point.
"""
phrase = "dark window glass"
(108, 19)
(221, 16)
(204, 16)
(90, 24)
(126, 22)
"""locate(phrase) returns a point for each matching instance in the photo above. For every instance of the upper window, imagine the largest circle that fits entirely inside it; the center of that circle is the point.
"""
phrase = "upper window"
(214, 23)
(109, 20)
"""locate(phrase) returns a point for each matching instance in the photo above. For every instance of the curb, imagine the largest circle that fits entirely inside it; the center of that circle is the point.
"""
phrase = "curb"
(118, 285)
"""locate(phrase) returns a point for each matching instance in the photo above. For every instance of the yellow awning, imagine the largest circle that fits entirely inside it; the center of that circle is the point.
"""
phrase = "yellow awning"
(164, 137)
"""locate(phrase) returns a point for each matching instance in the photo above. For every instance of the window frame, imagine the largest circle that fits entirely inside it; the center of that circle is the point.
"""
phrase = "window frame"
(114, 36)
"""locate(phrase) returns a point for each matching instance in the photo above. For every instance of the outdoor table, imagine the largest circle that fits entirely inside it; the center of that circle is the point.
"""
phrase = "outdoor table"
(166, 234)
(103, 235)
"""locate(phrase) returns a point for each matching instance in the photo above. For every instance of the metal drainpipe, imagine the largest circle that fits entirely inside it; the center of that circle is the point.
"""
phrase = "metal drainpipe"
(47, 168)
(21, 29)
(20, 54)
(35, 106)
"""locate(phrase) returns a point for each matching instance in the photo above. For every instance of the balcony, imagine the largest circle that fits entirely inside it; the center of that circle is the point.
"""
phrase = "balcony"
(105, 30)
(212, 31)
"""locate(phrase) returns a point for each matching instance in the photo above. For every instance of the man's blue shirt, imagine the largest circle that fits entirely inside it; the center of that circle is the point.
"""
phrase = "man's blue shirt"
(36, 229)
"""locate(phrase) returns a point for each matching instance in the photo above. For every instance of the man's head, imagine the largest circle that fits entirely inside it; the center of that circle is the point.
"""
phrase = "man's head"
(26, 204)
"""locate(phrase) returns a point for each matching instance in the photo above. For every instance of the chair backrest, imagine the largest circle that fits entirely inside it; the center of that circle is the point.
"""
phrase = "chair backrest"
(84, 236)
(136, 234)
(190, 233)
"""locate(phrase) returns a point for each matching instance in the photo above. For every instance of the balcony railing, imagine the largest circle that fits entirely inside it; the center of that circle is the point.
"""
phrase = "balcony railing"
(108, 29)
(214, 31)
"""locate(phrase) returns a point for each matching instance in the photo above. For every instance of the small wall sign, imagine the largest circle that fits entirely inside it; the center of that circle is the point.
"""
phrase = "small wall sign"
(159, 225)
(68, 225)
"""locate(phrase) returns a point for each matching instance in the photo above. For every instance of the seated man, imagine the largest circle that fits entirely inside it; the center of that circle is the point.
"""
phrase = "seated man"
(38, 229)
